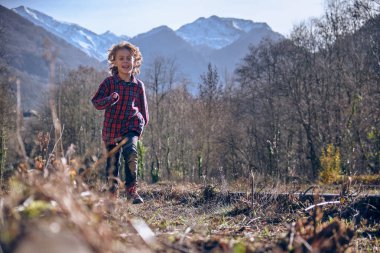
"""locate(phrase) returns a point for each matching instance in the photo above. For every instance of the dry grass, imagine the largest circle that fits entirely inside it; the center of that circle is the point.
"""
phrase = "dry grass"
(60, 213)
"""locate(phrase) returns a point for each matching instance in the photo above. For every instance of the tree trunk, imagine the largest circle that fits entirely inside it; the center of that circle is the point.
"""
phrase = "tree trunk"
(21, 147)
(50, 57)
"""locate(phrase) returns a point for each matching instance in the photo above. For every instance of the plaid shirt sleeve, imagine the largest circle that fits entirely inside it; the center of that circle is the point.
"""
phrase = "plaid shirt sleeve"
(103, 97)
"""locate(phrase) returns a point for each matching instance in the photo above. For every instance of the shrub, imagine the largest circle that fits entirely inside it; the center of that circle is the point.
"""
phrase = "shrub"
(141, 150)
(330, 165)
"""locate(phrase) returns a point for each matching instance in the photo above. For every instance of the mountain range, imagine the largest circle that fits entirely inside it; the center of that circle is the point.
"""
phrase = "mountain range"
(220, 41)
(24, 32)
(22, 48)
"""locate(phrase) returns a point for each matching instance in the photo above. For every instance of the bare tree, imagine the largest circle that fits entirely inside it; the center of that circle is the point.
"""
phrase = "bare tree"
(21, 146)
(50, 55)
(210, 93)
(82, 122)
(7, 102)
(160, 78)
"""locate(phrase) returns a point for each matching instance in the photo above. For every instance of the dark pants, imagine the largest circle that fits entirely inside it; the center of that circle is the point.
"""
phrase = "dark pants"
(129, 153)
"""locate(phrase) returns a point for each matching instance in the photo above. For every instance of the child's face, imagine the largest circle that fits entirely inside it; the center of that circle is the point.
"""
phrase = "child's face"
(124, 61)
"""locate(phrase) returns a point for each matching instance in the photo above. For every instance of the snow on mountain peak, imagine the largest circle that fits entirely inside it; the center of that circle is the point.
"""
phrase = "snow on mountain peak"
(30, 12)
(206, 35)
(93, 44)
(215, 32)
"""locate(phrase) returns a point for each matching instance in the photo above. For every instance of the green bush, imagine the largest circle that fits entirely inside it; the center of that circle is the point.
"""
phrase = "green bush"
(330, 165)
(141, 150)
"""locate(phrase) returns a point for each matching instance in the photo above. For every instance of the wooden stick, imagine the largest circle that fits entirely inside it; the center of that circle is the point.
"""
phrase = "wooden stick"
(252, 188)
(109, 154)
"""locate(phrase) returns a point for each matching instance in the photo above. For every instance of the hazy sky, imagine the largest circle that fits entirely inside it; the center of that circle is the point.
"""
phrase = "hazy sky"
(131, 17)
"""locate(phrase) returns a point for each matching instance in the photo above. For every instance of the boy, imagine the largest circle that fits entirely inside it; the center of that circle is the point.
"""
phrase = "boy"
(123, 98)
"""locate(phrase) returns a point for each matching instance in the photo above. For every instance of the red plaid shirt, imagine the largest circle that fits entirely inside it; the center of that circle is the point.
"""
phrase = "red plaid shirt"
(127, 113)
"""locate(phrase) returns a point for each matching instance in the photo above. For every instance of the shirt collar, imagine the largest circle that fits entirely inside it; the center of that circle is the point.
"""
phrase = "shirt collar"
(118, 79)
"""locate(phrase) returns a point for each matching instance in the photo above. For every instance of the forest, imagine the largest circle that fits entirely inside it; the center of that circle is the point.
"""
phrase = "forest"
(301, 112)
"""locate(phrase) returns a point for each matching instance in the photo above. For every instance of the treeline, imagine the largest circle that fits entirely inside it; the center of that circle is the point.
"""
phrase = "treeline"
(286, 104)
(289, 107)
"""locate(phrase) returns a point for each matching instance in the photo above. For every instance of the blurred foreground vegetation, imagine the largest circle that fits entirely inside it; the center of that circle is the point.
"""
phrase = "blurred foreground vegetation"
(291, 109)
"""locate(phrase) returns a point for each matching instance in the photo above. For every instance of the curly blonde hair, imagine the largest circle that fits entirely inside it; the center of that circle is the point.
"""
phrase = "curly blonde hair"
(135, 53)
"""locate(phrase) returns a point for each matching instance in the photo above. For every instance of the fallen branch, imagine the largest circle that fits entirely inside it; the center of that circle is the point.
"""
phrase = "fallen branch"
(322, 204)
(252, 220)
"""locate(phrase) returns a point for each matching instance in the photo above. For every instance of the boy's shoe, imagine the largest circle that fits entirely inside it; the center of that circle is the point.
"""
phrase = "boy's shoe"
(132, 194)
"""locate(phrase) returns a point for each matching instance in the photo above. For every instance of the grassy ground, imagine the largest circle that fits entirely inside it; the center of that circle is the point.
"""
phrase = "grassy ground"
(62, 214)
(176, 216)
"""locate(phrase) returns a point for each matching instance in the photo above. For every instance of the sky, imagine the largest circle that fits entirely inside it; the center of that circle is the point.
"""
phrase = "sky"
(132, 17)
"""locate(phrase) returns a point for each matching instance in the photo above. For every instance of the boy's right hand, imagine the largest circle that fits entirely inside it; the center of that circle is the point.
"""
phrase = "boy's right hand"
(115, 95)
(114, 98)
